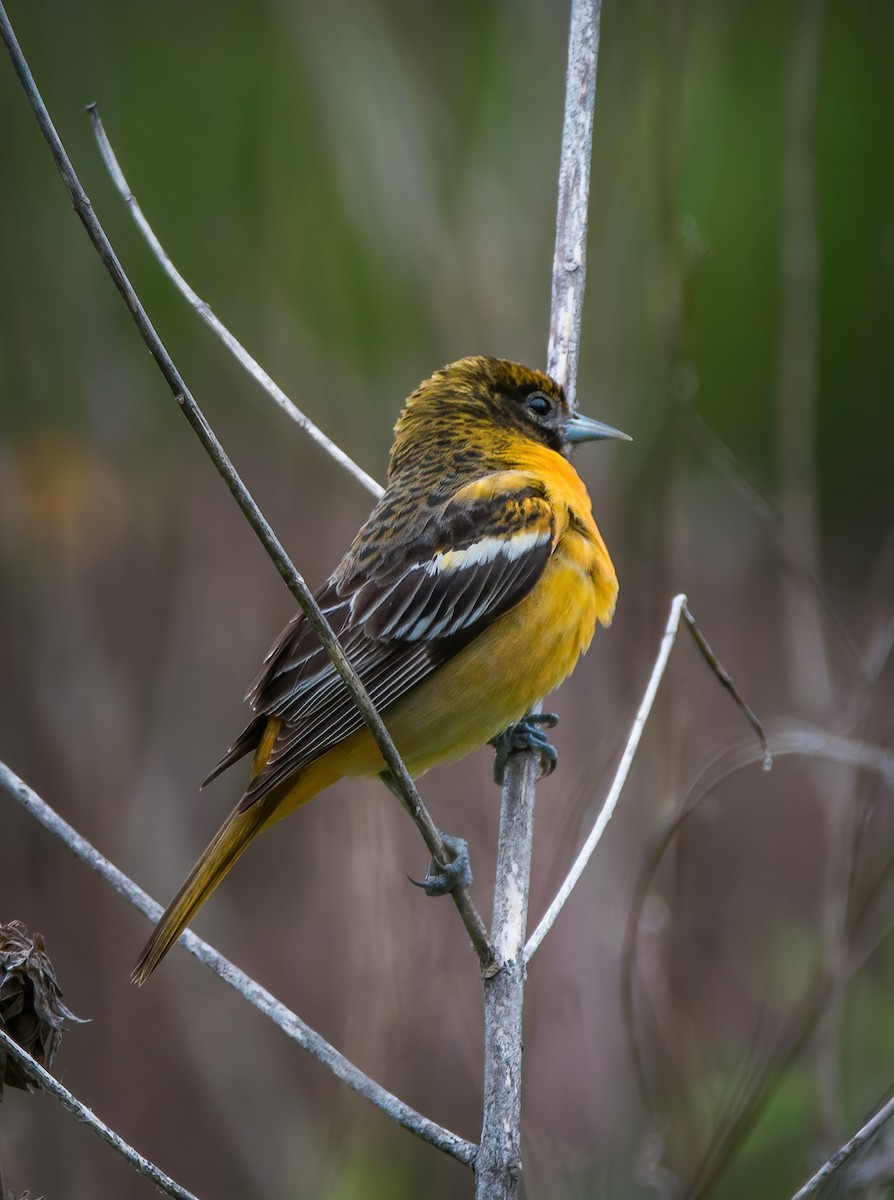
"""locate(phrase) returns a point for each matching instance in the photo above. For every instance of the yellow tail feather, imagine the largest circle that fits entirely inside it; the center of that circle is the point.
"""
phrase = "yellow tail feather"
(227, 846)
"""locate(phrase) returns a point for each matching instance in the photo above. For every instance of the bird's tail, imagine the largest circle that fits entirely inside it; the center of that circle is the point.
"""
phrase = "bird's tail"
(227, 846)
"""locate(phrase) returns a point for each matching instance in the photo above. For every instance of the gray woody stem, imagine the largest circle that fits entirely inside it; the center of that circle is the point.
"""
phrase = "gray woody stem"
(293, 579)
(814, 1185)
(257, 996)
(499, 1159)
(570, 255)
(678, 611)
(611, 800)
(43, 1079)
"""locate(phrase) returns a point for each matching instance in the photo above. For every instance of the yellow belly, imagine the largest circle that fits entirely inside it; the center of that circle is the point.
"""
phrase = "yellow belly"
(494, 681)
(485, 688)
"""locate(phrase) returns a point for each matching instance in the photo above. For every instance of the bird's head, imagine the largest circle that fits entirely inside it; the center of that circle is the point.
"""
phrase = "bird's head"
(485, 403)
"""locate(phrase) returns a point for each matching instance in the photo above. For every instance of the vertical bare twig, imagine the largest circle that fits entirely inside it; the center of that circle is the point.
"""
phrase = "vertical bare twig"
(569, 274)
(498, 1164)
(499, 1158)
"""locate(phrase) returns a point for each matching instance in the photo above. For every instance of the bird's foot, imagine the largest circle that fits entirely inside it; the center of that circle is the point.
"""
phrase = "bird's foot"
(441, 878)
(526, 736)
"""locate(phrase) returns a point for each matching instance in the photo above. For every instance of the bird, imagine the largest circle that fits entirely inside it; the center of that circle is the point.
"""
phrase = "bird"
(470, 592)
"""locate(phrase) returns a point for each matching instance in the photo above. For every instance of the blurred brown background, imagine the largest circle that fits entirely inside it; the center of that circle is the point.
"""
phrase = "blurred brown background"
(364, 192)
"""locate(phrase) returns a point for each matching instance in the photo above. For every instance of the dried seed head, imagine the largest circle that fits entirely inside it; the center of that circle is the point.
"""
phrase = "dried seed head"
(31, 1008)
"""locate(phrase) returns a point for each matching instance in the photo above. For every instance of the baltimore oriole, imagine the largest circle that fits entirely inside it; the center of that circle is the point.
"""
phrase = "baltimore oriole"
(471, 591)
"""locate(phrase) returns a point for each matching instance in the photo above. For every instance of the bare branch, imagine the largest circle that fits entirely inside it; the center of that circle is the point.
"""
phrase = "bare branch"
(52, 1085)
(203, 310)
(678, 609)
(726, 680)
(259, 997)
(611, 800)
(498, 1166)
(570, 254)
(293, 579)
(499, 1160)
(850, 1148)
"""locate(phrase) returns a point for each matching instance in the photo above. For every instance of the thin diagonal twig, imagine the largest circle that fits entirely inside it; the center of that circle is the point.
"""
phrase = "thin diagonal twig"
(259, 997)
(678, 610)
(293, 579)
(203, 310)
(50, 1084)
(848, 1150)
(726, 680)
(605, 814)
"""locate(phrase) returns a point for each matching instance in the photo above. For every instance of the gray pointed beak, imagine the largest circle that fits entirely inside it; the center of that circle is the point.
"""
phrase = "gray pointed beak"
(585, 429)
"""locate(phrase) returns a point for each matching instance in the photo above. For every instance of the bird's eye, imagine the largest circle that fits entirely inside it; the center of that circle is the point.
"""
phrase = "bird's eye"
(539, 404)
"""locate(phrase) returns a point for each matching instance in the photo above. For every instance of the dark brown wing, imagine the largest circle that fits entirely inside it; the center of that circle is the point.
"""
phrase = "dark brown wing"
(399, 610)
